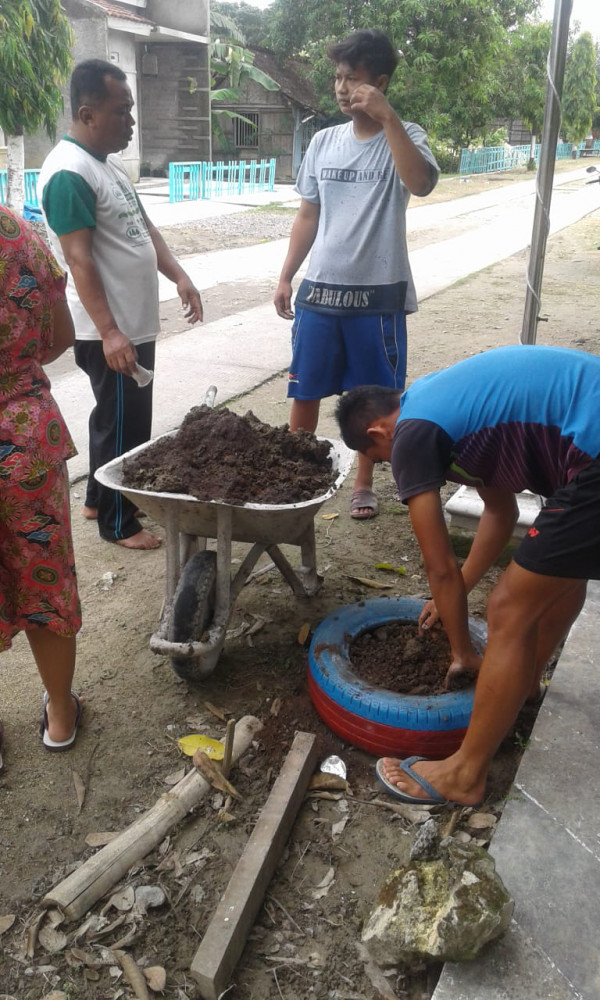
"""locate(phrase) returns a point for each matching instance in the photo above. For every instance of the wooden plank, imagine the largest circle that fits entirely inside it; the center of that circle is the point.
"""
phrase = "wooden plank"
(228, 930)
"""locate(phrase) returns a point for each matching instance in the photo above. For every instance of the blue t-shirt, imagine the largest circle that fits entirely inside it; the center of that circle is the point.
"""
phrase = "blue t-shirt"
(517, 418)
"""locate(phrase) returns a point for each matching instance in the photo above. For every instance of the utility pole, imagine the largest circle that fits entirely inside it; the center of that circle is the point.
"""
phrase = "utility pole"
(545, 174)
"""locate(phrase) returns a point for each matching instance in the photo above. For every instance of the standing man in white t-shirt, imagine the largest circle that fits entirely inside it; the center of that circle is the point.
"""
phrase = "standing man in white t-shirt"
(355, 181)
(102, 235)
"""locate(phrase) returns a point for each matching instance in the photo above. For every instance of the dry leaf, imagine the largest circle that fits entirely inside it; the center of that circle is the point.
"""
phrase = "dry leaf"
(481, 821)
(276, 706)
(86, 958)
(374, 584)
(32, 933)
(156, 977)
(55, 995)
(329, 517)
(100, 839)
(52, 940)
(213, 775)
(324, 885)
(220, 714)
(175, 777)
(337, 829)
(122, 900)
(375, 975)
(6, 922)
(303, 634)
(325, 781)
(172, 863)
(79, 790)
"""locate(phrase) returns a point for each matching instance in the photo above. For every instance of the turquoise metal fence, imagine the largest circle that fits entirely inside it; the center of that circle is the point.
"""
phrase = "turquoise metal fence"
(31, 177)
(202, 179)
(486, 159)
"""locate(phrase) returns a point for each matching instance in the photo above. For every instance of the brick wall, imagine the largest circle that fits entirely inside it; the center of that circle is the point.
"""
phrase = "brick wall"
(175, 109)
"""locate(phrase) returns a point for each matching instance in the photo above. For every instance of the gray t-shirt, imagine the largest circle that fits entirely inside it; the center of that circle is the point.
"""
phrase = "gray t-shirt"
(359, 260)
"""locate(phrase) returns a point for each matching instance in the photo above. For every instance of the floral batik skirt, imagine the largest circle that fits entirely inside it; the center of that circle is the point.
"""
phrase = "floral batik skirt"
(38, 583)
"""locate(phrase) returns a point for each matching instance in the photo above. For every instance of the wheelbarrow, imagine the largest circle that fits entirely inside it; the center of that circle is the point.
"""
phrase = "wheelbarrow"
(200, 590)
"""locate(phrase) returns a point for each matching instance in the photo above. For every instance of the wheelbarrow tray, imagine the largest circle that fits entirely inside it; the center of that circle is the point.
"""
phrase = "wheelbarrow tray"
(269, 524)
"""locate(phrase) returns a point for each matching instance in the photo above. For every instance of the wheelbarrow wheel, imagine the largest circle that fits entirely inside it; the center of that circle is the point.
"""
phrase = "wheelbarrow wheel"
(193, 607)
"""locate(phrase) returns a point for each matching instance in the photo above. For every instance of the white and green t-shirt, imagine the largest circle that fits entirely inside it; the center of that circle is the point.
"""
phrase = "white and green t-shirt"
(359, 260)
(79, 189)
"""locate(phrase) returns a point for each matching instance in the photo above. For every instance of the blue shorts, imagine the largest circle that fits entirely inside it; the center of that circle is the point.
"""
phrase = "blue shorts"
(333, 353)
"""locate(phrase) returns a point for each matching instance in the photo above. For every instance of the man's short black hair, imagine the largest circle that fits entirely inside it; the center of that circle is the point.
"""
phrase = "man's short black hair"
(368, 48)
(88, 83)
(357, 409)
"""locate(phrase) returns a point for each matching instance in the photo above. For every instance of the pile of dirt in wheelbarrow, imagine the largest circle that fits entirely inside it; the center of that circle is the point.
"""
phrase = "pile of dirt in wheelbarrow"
(397, 658)
(218, 455)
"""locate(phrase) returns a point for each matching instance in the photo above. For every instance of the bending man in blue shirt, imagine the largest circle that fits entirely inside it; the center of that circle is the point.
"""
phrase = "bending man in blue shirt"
(507, 420)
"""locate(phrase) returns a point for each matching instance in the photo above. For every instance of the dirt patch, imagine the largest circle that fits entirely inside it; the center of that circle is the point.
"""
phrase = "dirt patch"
(218, 455)
(300, 947)
(396, 657)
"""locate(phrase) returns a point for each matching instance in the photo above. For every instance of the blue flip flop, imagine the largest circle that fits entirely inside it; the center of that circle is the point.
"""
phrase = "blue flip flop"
(434, 797)
(55, 745)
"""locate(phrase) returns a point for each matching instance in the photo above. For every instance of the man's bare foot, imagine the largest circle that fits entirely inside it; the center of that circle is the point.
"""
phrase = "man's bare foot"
(90, 513)
(142, 540)
(444, 779)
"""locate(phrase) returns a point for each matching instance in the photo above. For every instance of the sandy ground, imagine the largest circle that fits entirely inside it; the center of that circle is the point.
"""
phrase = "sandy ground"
(301, 946)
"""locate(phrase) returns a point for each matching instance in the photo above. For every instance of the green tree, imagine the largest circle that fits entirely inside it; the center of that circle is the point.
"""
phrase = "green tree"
(579, 92)
(251, 21)
(449, 79)
(525, 75)
(35, 59)
(231, 65)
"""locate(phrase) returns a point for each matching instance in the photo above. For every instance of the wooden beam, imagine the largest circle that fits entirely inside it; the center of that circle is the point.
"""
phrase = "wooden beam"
(228, 930)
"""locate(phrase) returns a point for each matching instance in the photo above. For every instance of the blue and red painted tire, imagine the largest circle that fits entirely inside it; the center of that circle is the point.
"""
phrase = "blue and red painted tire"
(375, 719)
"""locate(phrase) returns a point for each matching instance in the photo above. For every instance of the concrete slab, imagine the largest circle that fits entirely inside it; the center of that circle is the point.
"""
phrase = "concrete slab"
(547, 846)
(465, 508)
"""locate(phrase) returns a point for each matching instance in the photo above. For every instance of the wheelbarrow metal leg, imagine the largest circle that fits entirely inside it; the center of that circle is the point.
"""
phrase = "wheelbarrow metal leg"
(223, 595)
(172, 550)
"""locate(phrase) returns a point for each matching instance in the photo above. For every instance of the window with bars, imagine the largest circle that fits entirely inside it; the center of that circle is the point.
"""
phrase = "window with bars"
(246, 132)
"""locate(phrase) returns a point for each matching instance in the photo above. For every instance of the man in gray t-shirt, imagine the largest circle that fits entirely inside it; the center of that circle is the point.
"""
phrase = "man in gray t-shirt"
(355, 181)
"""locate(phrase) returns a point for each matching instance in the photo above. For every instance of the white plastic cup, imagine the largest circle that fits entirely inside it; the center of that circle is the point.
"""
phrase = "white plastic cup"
(143, 376)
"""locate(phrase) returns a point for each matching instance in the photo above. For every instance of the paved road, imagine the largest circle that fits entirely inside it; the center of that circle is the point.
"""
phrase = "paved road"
(453, 239)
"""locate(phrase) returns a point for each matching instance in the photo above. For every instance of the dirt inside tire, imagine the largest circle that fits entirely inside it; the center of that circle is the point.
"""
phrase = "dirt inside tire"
(218, 455)
(397, 658)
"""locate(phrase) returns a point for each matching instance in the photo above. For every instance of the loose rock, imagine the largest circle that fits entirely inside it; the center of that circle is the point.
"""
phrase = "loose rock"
(444, 909)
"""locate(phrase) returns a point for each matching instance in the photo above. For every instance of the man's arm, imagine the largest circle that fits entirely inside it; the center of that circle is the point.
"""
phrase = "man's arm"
(172, 269)
(444, 575)
(500, 513)
(413, 169)
(63, 332)
(119, 352)
(496, 525)
(302, 237)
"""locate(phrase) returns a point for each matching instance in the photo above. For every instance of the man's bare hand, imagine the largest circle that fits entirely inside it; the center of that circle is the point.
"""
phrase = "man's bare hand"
(464, 665)
(429, 617)
(190, 300)
(372, 102)
(119, 352)
(283, 300)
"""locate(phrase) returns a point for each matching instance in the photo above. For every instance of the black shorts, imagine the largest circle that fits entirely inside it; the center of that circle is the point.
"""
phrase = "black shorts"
(564, 539)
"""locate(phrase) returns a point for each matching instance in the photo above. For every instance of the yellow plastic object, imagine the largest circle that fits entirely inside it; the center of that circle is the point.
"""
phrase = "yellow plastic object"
(212, 748)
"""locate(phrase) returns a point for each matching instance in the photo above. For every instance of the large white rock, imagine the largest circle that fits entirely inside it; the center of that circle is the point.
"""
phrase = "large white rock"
(444, 908)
